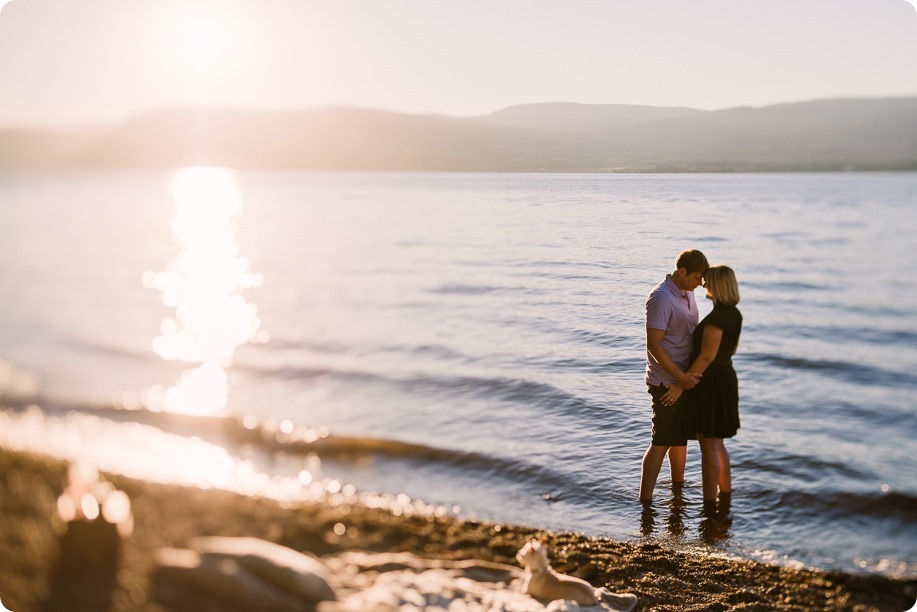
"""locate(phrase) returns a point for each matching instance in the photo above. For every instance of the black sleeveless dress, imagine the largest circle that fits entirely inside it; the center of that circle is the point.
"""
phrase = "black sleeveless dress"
(713, 405)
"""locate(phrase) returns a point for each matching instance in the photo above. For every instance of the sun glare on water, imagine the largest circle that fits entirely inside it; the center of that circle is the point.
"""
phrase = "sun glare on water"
(202, 284)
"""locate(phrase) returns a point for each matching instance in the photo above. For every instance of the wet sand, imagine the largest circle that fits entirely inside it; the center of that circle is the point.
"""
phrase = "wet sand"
(34, 576)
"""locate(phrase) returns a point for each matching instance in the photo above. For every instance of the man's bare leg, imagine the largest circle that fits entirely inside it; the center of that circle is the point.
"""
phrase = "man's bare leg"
(649, 472)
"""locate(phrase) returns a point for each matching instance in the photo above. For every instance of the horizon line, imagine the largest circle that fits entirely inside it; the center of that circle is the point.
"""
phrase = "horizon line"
(113, 124)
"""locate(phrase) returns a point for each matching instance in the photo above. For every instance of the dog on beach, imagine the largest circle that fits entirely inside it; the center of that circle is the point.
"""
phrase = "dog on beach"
(542, 582)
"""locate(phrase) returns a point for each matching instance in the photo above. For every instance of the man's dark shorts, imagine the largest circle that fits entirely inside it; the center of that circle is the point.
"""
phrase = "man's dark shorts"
(669, 427)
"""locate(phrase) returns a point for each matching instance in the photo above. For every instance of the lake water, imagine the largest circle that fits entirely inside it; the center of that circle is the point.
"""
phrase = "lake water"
(470, 343)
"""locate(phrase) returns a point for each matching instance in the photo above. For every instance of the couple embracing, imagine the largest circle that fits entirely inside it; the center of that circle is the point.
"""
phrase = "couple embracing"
(689, 374)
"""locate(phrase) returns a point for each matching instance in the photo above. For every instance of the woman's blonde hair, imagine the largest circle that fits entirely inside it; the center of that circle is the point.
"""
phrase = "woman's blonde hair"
(721, 282)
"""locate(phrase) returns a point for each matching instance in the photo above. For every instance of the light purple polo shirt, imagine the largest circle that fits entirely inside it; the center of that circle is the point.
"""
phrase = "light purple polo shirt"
(667, 309)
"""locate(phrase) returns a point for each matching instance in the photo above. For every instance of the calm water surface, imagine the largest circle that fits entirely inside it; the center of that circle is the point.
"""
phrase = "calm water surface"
(473, 341)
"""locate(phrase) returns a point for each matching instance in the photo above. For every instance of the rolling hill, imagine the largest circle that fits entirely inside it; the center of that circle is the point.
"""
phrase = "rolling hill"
(824, 135)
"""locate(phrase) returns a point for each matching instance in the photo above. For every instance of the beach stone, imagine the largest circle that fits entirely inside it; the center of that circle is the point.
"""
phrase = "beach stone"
(187, 580)
(290, 571)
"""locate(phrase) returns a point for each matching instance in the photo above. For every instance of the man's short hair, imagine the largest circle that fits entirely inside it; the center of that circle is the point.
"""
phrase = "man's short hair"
(692, 260)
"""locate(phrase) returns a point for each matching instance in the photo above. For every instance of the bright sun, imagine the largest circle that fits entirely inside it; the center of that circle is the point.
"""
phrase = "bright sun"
(202, 37)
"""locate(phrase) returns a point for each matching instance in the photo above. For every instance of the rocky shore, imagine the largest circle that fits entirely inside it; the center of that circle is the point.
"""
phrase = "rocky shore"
(45, 565)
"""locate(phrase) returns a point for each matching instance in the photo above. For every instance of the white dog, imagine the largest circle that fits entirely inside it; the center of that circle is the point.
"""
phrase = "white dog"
(542, 582)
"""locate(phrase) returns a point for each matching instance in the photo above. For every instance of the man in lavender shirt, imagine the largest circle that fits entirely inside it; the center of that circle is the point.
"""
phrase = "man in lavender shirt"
(671, 316)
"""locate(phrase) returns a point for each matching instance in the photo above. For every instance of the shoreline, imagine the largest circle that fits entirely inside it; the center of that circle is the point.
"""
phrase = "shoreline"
(170, 515)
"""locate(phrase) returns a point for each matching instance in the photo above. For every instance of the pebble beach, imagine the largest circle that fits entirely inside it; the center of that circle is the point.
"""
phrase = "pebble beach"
(33, 575)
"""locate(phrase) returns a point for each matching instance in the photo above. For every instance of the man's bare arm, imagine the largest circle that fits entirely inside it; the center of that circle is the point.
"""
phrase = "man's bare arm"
(654, 345)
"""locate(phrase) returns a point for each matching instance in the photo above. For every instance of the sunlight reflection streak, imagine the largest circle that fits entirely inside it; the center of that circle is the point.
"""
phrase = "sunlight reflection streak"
(203, 283)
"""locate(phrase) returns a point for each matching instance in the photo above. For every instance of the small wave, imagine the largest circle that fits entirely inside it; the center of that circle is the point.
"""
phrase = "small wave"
(786, 286)
(861, 335)
(895, 505)
(788, 465)
(545, 263)
(549, 363)
(346, 447)
(98, 348)
(439, 351)
(458, 289)
(280, 343)
(232, 433)
(302, 372)
(603, 339)
(879, 311)
(549, 269)
(513, 390)
(549, 484)
(849, 372)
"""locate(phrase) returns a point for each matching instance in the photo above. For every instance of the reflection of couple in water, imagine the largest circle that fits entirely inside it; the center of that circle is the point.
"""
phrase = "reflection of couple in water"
(690, 377)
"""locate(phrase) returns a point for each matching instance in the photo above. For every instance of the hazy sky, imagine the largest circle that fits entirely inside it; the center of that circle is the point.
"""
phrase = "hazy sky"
(86, 62)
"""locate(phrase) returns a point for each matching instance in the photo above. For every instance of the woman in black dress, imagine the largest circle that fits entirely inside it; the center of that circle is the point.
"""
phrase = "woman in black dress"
(713, 405)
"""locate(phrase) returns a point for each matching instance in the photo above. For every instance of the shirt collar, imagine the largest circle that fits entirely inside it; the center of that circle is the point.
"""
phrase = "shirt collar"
(674, 290)
(672, 287)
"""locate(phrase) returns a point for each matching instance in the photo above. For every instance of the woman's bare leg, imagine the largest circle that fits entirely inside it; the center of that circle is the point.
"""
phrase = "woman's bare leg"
(725, 470)
(678, 456)
(710, 465)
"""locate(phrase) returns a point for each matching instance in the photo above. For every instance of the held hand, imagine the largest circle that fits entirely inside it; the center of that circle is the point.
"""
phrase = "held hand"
(689, 380)
(672, 394)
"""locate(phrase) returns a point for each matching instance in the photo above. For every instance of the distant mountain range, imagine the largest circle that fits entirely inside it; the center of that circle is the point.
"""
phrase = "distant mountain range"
(825, 135)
